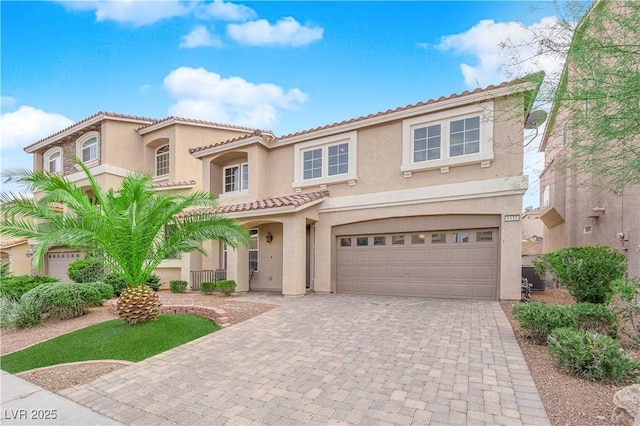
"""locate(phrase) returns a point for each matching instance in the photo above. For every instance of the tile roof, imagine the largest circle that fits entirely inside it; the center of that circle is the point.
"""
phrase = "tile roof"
(255, 133)
(295, 200)
(84, 120)
(196, 121)
(13, 242)
(174, 184)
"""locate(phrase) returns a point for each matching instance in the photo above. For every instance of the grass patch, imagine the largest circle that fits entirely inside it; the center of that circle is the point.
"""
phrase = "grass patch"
(111, 340)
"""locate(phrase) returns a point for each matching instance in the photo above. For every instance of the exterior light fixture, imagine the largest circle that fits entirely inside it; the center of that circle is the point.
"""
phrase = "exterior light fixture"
(269, 237)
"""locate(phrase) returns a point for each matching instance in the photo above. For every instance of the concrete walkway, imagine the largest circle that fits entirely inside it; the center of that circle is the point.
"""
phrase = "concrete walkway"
(334, 359)
(24, 403)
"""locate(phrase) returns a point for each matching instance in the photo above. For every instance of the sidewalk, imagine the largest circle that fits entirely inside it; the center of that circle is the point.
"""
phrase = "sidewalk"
(24, 403)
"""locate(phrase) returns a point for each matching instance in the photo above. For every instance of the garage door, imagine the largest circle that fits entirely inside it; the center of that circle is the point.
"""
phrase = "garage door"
(460, 264)
(58, 263)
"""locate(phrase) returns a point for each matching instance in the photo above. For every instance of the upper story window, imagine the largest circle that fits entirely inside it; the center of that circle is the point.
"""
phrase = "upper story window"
(88, 148)
(326, 160)
(162, 161)
(545, 196)
(236, 178)
(441, 139)
(53, 160)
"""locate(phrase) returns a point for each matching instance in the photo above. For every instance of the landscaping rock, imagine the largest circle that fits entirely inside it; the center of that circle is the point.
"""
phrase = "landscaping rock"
(627, 411)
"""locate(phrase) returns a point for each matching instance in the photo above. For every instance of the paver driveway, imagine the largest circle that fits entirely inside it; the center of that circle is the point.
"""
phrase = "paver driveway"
(334, 359)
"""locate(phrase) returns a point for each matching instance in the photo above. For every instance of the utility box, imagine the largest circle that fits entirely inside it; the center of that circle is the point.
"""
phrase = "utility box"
(534, 279)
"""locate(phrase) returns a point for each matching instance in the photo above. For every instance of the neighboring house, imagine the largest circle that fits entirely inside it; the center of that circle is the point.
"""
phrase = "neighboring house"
(15, 251)
(532, 229)
(423, 200)
(112, 145)
(576, 208)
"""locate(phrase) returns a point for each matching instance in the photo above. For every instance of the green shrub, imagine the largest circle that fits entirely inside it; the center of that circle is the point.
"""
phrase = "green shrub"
(87, 270)
(20, 313)
(595, 317)
(207, 287)
(106, 290)
(5, 269)
(116, 282)
(587, 272)
(64, 301)
(154, 282)
(591, 355)
(539, 319)
(226, 287)
(14, 287)
(177, 286)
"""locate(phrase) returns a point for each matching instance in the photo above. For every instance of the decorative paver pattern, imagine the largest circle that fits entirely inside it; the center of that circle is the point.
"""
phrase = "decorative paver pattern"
(334, 359)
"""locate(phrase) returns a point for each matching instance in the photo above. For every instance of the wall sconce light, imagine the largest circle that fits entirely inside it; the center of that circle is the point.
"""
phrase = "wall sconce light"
(269, 237)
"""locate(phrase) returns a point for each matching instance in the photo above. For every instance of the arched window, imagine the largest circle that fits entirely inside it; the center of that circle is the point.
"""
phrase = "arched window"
(53, 160)
(88, 147)
(162, 161)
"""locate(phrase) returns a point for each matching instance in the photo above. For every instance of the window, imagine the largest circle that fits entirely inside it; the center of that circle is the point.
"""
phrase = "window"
(90, 150)
(440, 238)
(53, 160)
(545, 196)
(345, 242)
(162, 161)
(397, 239)
(417, 239)
(460, 237)
(587, 229)
(454, 137)
(362, 241)
(379, 241)
(312, 165)
(331, 159)
(464, 137)
(338, 159)
(253, 250)
(482, 236)
(426, 143)
(233, 182)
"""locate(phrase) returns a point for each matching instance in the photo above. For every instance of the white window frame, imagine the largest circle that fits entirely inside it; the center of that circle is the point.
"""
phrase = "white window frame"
(444, 119)
(80, 148)
(47, 159)
(255, 235)
(155, 160)
(243, 186)
(546, 196)
(350, 138)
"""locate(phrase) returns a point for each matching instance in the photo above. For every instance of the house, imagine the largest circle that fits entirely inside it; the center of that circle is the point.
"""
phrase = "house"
(577, 208)
(15, 251)
(422, 200)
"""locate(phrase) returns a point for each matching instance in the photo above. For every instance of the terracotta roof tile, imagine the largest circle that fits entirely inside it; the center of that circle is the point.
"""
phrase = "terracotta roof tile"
(174, 184)
(295, 200)
(196, 121)
(255, 133)
(103, 113)
(12, 242)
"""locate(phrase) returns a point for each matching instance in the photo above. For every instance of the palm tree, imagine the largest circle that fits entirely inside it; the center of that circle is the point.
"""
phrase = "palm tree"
(133, 228)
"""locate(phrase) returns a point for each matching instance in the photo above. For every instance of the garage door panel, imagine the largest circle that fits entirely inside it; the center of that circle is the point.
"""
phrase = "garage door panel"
(432, 267)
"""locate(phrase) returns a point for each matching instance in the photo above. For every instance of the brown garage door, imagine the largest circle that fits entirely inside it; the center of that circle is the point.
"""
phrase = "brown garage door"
(58, 263)
(461, 264)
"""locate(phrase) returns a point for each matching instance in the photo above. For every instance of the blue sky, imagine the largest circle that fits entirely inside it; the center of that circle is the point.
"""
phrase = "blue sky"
(281, 66)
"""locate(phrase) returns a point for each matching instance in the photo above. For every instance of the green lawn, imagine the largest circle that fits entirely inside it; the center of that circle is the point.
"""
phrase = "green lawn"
(111, 340)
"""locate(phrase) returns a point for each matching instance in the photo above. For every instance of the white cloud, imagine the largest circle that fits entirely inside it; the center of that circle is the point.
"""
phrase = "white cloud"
(285, 32)
(28, 125)
(225, 11)
(495, 63)
(200, 37)
(137, 13)
(208, 96)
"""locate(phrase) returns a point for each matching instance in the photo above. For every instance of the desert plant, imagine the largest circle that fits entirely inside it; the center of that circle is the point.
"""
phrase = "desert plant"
(591, 355)
(207, 287)
(153, 282)
(14, 287)
(20, 313)
(138, 304)
(87, 270)
(64, 301)
(587, 272)
(539, 319)
(595, 317)
(627, 304)
(177, 286)
(134, 229)
(226, 287)
(115, 281)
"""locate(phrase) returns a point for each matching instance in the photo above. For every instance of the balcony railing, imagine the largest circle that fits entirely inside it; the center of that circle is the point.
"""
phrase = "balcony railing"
(207, 275)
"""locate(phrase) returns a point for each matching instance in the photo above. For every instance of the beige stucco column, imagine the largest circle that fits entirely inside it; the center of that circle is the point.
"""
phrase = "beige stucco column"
(238, 267)
(294, 256)
(511, 260)
(322, 283)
